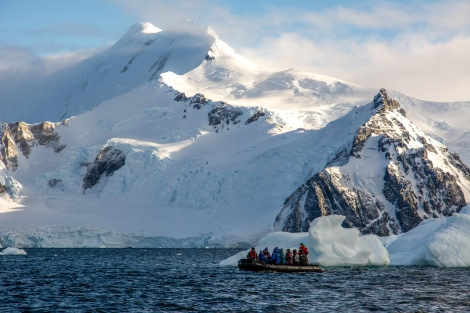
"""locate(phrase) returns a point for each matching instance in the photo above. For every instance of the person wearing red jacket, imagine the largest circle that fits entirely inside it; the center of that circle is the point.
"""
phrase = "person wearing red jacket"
(303, 252)
(252, 255)
(289, 257)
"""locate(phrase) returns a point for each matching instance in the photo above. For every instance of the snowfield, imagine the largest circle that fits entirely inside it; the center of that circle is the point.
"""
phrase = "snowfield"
(212, 144)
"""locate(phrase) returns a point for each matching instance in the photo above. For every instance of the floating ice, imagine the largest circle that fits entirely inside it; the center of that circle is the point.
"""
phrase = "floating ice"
(329, 244)
(332, 245)
(13, 251)
(438, 242)
(443, 242)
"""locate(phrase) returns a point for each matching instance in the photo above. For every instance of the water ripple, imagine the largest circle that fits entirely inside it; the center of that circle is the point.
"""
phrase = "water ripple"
(166, 280)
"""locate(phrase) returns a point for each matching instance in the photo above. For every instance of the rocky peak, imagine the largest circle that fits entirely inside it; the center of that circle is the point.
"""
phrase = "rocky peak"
(386, 103)
(381, 122)
(394, 178)
(9, 151)
(22, 137)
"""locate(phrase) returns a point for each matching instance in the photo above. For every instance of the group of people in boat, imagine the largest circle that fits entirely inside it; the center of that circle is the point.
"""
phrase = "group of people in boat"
(278, 256)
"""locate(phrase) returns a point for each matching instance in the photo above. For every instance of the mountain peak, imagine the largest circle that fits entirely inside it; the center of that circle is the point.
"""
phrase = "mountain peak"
(143, 28)
(387, 103)
(138, 33)
(394, 177)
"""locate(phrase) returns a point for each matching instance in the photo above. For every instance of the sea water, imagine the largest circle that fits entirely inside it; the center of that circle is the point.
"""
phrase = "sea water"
(191, 280)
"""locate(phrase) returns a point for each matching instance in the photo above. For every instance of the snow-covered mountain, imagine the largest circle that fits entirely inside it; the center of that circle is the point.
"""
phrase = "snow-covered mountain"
(170, 138)
(141, 55)
(390, 177)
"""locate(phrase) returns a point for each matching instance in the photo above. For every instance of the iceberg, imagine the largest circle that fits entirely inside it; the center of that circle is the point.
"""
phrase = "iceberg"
(333, 245)
(13, 251)
(436, 242)
(329, 244)
(440, 242)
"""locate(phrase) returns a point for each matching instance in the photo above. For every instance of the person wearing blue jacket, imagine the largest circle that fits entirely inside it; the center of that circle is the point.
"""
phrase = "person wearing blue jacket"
(275, 257)
(267, 254)
(262, 257)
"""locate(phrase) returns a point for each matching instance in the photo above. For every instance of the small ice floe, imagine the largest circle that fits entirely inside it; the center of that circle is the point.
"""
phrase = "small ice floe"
(13, 251)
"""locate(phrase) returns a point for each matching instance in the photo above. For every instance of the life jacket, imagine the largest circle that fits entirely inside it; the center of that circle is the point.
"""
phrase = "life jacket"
(252, 255)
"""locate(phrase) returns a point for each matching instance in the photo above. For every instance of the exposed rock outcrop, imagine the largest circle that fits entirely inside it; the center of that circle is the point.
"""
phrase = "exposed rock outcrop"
(416, 178)
(224, 114)
(9, 151)
(255, 117)
(21, 137)
(221, 115)
(106, 163)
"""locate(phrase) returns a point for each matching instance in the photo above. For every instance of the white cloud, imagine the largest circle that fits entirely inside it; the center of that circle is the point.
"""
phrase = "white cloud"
(416, 47)
(419, 49)
(11, 56)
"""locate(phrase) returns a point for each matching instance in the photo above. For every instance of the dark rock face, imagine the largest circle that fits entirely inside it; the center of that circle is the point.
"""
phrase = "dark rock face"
(324, 195)
(224, 114)
(255, 117)
(54, 183)
(413, 188)
(22, 137)
(46, 136)
(159, 65)
(106, 162)
(221, 115)
(9, 151)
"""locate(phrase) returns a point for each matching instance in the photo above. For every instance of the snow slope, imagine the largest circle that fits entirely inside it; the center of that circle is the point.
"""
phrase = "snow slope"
(138, 57)
(184, 176)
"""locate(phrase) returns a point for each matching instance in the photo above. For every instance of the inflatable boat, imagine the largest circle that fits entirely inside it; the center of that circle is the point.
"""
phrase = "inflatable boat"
(257, 266)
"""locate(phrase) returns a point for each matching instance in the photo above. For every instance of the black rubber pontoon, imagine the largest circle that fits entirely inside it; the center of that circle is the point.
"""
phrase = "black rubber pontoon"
(257, 266)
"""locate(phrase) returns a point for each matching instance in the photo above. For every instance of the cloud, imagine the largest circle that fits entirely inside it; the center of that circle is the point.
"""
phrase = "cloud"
(11, 56)
(417, 47)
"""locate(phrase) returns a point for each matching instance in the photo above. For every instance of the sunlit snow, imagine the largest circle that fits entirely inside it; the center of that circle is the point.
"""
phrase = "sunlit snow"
(186, 183)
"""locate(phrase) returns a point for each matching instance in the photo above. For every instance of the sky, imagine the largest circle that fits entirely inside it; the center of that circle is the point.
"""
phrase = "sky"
(418, 47)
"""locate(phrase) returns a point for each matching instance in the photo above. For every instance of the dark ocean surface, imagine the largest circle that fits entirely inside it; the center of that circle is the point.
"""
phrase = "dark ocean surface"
(190, 280)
